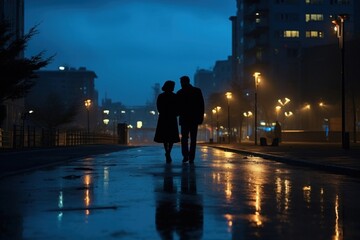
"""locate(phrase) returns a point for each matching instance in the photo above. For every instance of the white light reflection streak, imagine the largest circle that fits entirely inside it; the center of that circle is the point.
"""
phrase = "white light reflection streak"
(258, 206)
(338, 232)
(228, 179)
(287, 193)
(229, 220)
(87, 199)
(278, 193)
(60, 205)
(106, 178)
(322, 200)
(307, 194)
(257, 180)
(283, 189)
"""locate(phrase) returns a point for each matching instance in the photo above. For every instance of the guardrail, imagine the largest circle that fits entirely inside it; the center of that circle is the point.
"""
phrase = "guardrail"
(20, 137)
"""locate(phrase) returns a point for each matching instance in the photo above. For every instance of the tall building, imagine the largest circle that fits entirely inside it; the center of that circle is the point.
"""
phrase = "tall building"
(271, 36)
(12, 11)
(293, 45)
(204, 79)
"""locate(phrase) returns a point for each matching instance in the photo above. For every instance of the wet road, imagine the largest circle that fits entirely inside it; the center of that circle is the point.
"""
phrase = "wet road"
(133, 194)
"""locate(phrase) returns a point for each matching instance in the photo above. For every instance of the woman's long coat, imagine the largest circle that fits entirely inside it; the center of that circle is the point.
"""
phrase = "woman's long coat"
(167, 126)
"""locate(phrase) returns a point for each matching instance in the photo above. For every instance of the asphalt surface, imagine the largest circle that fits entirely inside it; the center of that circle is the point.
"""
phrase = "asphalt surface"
(128, 192)
(322, 156)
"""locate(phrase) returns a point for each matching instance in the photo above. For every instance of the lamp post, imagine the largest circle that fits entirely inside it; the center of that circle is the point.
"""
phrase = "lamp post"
(339, 28)
(247, 114)
(228, 97)
(282, 103)
(87, 103)
(23, 117)
(217, 109)
(277, 109)
(212, 126)
(257, 81)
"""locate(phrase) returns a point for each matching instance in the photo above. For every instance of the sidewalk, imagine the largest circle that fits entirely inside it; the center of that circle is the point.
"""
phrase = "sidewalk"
(14, 161)
(323, 156)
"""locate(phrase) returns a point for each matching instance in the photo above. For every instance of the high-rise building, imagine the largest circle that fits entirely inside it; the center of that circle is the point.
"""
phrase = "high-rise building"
(271, 36)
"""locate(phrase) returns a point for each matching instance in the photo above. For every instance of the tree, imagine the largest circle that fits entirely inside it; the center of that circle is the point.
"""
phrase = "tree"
(17, 73)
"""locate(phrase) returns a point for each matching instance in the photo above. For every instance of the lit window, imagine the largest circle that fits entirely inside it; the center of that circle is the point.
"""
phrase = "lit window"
(313, 1)
(314, 17)
(291, 34)
(314, 34)
(340, 2)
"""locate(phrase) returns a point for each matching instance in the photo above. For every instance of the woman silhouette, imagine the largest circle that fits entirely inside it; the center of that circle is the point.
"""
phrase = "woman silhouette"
(167, 131)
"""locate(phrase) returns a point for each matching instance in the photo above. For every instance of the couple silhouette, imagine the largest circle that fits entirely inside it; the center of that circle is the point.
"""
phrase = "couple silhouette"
(188, 105)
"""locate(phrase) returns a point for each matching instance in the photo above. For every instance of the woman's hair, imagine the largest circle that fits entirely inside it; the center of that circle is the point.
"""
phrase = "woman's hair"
(168, 86)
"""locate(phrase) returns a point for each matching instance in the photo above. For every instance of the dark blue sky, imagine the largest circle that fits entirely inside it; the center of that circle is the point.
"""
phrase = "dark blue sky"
(131, 45)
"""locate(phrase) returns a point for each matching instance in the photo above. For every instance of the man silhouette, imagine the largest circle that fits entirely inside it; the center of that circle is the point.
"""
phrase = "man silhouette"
(191, 114)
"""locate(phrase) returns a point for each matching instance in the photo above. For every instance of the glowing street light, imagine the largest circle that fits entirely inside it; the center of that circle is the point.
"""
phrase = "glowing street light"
(257, 82)
(277, 109)
(247, 114)
(288, 114)
(87, 103)
(283, 103)
(216, 110)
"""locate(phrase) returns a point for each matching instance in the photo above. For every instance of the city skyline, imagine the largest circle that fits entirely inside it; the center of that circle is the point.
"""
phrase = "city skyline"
(131, 46)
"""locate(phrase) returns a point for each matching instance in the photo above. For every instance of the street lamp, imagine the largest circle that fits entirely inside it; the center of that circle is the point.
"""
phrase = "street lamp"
(339, 28)
(212, 125)
(277, 109)
(228, 97)
(288, 114)
(247, 114)
(216, 110)
(23, 117)
(87, 106)
(283, 103)
(257, 81)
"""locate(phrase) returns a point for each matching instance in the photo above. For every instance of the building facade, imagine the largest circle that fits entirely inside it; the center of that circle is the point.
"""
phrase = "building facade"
(66, 89)
(279, 38)
(12, 11)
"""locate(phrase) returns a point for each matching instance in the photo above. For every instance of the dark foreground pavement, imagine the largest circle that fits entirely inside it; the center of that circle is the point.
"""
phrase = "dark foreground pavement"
(127, 192)
(120, 192)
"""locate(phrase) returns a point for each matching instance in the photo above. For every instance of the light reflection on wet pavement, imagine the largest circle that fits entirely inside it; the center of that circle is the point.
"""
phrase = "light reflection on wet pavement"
(133, 194)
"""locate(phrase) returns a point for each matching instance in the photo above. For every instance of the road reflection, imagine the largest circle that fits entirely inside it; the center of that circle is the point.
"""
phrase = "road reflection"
(179, 212)
(264, 201)
(223, 196)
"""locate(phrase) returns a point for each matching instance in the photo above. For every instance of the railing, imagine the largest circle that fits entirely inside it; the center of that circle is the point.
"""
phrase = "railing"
(29, 137)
